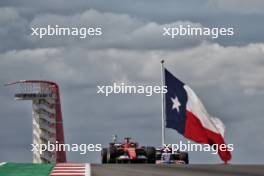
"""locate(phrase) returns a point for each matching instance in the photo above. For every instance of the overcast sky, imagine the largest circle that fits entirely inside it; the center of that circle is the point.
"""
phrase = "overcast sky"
(226, 73)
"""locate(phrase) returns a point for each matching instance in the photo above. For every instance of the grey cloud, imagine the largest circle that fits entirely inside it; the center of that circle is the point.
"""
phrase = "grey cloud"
(11, 28)
(237, 6)
(119, 31)
(8, 15)
(127, 21)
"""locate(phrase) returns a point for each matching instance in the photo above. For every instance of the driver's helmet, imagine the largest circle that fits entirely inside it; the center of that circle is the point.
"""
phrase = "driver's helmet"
(127, 140)
(166, 157)
(114, 138)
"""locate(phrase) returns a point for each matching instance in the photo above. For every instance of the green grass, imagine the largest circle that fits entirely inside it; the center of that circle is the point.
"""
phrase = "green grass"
(15, 169)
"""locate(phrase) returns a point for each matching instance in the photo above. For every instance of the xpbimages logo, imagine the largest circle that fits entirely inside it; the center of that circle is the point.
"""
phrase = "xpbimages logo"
(81, 32)
(188, 30)
(51, 147)
(188, 147)
(122, 88)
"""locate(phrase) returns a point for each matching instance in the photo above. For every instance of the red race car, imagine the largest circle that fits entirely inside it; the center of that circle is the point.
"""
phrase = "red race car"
(128, 152)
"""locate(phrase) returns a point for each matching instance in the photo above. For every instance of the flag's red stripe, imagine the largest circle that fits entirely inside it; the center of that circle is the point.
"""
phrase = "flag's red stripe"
(195, 131)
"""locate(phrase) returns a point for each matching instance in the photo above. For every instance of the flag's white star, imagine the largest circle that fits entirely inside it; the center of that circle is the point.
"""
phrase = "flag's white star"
(176, 104)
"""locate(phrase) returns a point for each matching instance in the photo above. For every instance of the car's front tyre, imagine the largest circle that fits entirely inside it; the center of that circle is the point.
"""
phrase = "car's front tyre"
(111, 154)
(104, 156)
(151, 155)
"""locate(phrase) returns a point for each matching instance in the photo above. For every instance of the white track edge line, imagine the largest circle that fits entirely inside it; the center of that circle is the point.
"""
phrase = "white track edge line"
(87, 169)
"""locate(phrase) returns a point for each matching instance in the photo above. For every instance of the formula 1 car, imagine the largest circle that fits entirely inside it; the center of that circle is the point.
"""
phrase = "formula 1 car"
(127, 152)
(166, 156)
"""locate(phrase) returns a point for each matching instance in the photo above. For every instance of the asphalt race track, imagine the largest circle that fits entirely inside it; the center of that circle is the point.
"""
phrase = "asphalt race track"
(176, 170)
(86, 169)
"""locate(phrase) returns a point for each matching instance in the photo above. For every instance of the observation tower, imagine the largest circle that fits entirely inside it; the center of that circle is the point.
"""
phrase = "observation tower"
(47, 122)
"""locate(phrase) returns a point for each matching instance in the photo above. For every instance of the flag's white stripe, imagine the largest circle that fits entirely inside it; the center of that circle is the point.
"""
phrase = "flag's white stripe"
(3, 163)
(87, 170)
(195, 106)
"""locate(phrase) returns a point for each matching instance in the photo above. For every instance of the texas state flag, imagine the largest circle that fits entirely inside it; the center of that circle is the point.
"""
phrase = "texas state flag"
(186, 114)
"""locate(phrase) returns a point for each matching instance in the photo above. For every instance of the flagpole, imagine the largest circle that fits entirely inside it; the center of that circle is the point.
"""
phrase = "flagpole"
(162, 106)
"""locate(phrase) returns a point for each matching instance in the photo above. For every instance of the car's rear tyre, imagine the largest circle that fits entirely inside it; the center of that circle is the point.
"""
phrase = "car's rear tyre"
(151, 155)
(111, 154)
(184, 157)
(104, 155)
